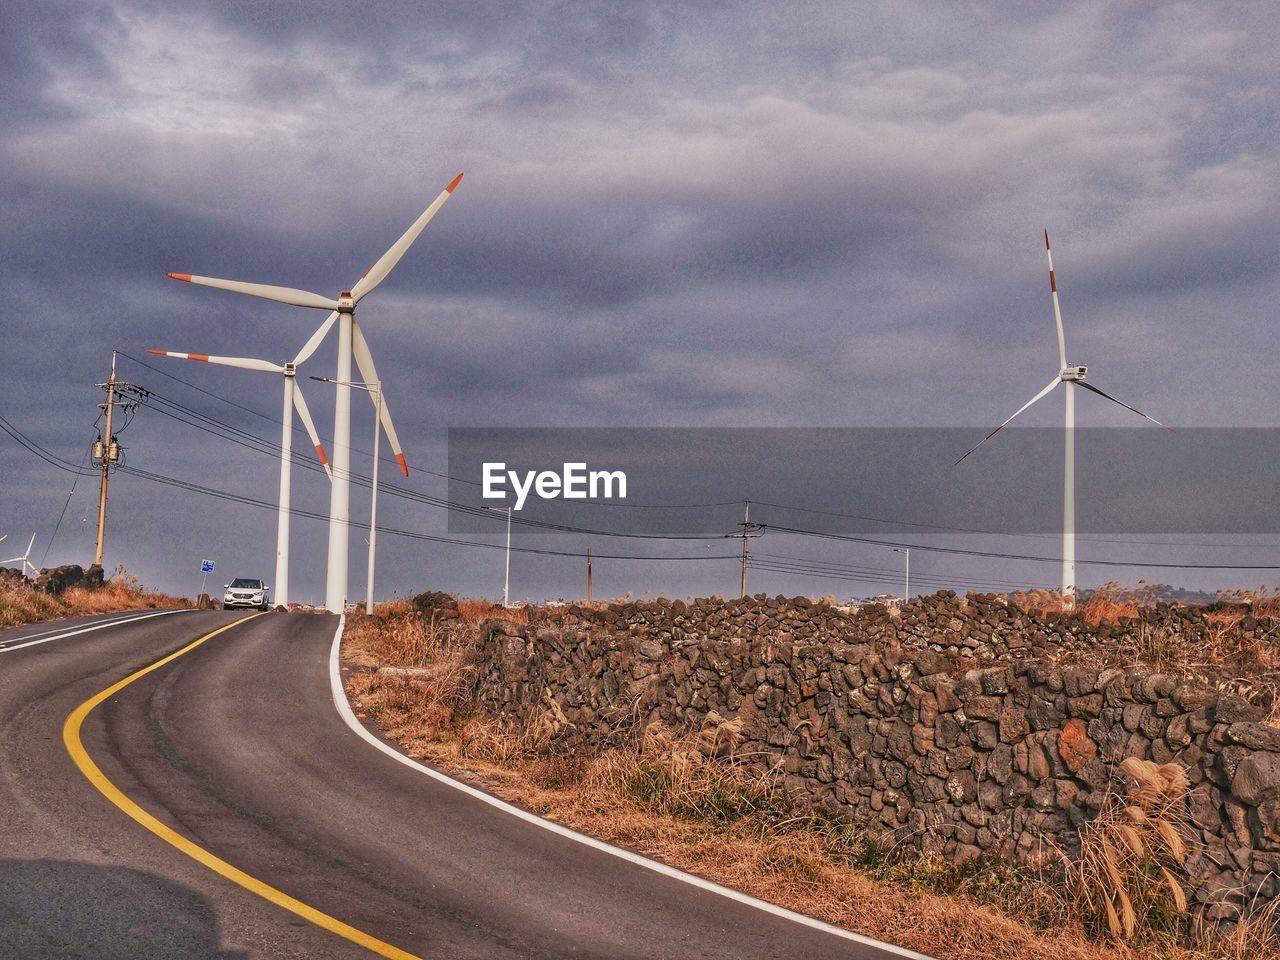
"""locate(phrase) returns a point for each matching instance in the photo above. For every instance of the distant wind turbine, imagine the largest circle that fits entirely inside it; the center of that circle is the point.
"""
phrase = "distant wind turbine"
(25, 559)
(292, 399)
(1070, 377)
(350, 341)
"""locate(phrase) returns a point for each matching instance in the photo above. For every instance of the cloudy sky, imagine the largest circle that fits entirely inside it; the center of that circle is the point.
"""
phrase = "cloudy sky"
(746, 214)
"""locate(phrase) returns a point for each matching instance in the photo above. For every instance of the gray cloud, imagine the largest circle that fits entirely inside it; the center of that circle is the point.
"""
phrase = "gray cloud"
(731, 214)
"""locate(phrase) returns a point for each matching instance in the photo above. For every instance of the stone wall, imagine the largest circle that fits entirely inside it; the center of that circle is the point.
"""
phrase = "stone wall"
(961, 726)
(55, 580)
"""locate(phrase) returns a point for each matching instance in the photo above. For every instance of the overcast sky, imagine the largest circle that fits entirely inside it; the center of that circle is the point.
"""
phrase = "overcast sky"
(747, 214)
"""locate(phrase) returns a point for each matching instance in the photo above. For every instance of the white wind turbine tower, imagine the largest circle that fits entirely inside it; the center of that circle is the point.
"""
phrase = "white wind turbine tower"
(350, 341)
(25, 559)
(1070, 377)
(292, 399)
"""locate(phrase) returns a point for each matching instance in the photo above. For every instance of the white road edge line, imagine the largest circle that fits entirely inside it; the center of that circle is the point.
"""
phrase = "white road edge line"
(96, 626)
(103, 618)
(348, 715)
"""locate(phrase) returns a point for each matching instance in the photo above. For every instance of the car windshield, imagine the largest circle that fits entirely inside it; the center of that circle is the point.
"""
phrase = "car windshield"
(249, 584)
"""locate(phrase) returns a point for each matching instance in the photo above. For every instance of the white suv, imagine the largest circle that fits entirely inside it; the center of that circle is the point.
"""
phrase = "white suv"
(246, 593)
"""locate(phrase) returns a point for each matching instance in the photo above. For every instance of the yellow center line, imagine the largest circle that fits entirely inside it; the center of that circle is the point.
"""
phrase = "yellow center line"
(71, 739)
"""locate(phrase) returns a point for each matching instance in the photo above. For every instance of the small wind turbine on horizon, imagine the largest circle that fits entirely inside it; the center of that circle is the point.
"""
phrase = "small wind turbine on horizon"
(292, 400)
(1070, 377)
(25, 559)
(350, 341)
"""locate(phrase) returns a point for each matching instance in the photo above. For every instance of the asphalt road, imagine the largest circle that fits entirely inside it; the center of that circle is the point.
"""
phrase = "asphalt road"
(236, 746)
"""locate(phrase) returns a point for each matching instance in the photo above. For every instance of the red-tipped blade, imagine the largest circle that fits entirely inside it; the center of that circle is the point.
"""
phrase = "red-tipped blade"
(404, 467)
(320, 453)
(184, 277)
(386, 263)
(202, 357)
(1046, 239)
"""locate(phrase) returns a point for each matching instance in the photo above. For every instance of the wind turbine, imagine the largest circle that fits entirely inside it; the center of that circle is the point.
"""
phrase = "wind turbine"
(25, 558)
(350, 341)
(292, 399)
(1070, 377)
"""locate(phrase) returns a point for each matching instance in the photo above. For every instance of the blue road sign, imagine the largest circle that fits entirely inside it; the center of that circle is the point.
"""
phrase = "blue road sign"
(206, 566)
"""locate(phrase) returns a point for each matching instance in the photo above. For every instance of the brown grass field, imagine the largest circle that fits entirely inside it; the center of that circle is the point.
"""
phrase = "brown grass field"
(688, 802)
(21, 604)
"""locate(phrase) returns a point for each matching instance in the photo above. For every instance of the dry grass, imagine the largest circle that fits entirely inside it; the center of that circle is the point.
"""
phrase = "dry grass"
(1221, 654)
(21, 604)
(473, 611)
(1255, 938)
(695, 802)
(1110, 602)
(1128, 880)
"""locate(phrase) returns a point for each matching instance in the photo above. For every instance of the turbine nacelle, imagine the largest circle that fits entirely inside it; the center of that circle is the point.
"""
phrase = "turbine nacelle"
(1076, 374)
(346, 303)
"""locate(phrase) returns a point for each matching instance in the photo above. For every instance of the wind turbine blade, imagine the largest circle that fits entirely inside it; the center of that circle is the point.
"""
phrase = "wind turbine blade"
(317, 338)
(1039, 396)
(1103, 393)
(25, 559)
(1057, 310)
(304, 414)
(364, 360)
(386, 263)
(244, 363)
(289, 295)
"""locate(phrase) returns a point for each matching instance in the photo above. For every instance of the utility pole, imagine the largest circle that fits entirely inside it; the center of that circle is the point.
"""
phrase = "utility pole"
(588, 576)
(747, 527)
(106, 450)
(906, 576)
(506, 571)
(373, 504)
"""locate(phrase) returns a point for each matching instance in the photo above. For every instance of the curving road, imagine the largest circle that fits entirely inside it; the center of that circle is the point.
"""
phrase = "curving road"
(235, 746)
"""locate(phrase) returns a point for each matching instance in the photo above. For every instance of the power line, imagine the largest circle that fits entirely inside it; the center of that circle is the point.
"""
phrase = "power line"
(49, 458)
(893, 577)
(992, 554)
(392, 462)
(70, 467)
(942, 528)
(58, 526)
(855, 570)
(411, 534)
(262, 445)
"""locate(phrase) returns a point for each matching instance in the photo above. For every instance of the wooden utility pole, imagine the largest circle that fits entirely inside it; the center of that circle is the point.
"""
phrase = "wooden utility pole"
(747, 527)
(588, 576)
(107, 452)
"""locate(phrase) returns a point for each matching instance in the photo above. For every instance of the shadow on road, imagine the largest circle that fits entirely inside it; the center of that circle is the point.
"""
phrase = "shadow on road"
(62, 909)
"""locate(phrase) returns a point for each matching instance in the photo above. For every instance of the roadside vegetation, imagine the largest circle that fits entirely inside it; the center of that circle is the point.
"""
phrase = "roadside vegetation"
(1230, 659)
(22, 603)
(691, 800)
